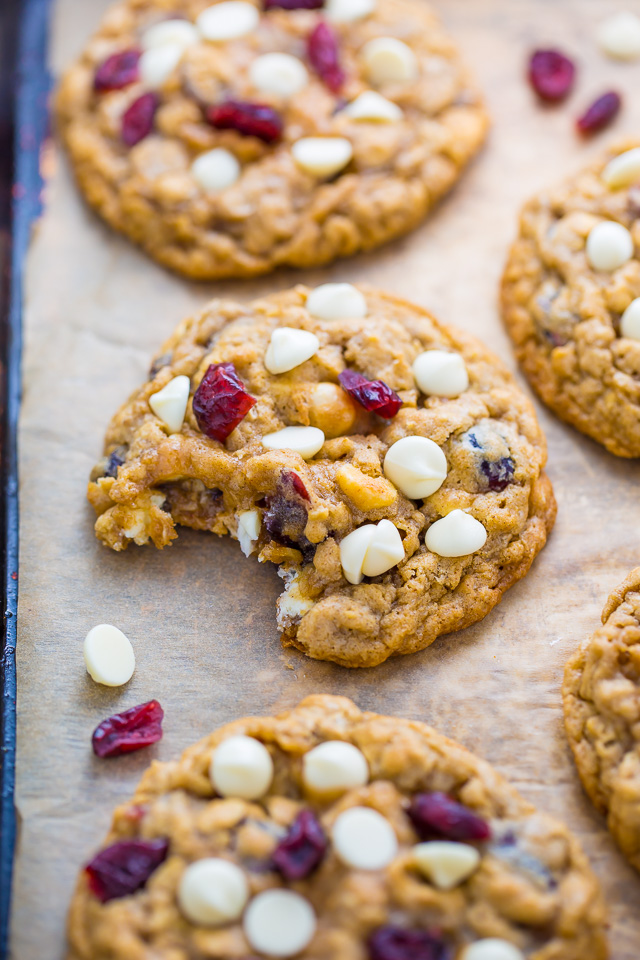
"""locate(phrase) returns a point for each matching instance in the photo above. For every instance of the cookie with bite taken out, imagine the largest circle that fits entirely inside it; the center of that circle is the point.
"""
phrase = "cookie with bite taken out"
(388, 465)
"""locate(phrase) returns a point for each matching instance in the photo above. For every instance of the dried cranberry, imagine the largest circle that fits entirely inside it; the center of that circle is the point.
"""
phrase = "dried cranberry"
(323, 51)
(285, 514)
(374, 395)
(115, 459)
(396, 943)
(293, 4)
(438, 814)
(551, 74)
(499, 473)
(302, 849)
(117, 71)
(124, 867)
(221, 401)
(131, 730)
(137, 120)
(600, 114)
(250, 119)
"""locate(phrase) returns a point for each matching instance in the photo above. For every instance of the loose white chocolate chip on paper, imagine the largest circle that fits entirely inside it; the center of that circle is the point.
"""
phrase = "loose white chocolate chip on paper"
(288, 348)
(492, 949)
(336, 301)
(306, 441)
(278, 73)
(630, 321)
(446, 864)
(241, 767)
(609, 245)
(343, 11)
(619, 36)
(623, 170)
(215, 170)
(416, 466)
(364, 839)
(387, 60)
(170, 403)
(212, 892)
(249, 524)
(334, 766)
(322, 156)
(158, 63)
(180, 33)
(279, 923)
(370, 106)
(439, 373)
(109, 656)
(228, 20)
(456, 535)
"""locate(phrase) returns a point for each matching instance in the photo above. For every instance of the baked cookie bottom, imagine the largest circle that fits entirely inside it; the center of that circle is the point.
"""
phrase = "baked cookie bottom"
(601, 695)
(531, 886)
(304, 509)
(564, 316)
(276, 213)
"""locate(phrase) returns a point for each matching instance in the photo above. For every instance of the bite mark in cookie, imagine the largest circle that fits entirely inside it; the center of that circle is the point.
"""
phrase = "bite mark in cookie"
(395, 515)
(426, 853)
(229, 138)
(569, 298)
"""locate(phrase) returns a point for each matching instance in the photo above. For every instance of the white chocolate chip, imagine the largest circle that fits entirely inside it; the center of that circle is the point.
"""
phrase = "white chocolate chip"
(416, 465)
(241, 767)
(249, 524)
(619, 36)
(215, 170)
(179, 33)
(342, 11)
(456, 535)
(336, 301)
(170, 403)
(109, 656)
(387, 60)
(623, 169)
(322, 156)
(439, 373)
(445, 863)
(609, 245)
(158, 63)
(370, 550)
(288, 348)
(303, 440)
(370, 106)
(630, 322)
(212, 892)
(363, 839)
(492, 949)
(226, 21)
(279, 923)
(278, 73)
(353, 550)
(334, 766)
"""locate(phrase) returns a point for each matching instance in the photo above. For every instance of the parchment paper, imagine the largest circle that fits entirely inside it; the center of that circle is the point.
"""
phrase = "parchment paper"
(200, 615)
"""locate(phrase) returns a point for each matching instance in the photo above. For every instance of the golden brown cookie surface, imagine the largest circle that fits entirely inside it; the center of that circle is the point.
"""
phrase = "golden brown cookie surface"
(568, 292)
(521, 877)
(261, 205)
(480, 452)
(602, 715)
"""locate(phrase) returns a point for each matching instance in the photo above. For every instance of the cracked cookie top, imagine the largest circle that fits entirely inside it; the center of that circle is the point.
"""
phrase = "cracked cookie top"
(392, 468)
(330, 833)
(571, 299)
(601, 696)
(229, 138)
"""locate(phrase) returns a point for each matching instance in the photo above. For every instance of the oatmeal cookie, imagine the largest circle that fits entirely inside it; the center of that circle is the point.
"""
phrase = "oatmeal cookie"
(571, 299)
(232, 138)
(330, 833)
(389, 465)
(601, 696)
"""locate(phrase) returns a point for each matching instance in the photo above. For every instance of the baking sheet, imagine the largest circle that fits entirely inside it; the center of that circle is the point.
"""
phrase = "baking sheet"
(200, 615)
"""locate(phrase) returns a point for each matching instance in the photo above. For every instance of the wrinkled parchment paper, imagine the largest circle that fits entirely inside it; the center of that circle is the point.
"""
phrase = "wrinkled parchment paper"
(200, 615)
